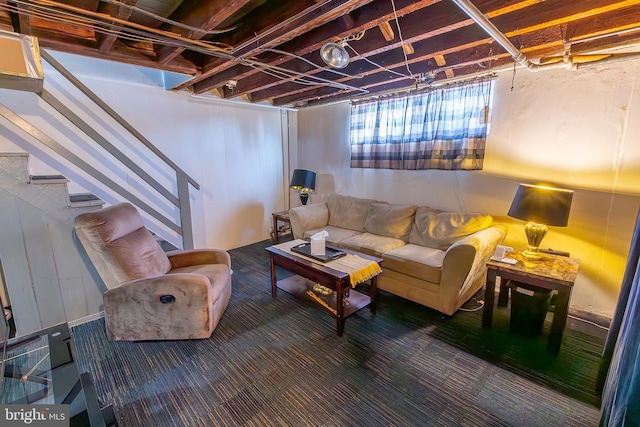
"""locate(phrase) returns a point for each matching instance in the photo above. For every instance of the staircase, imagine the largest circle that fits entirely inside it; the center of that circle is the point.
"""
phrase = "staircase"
(47, 280)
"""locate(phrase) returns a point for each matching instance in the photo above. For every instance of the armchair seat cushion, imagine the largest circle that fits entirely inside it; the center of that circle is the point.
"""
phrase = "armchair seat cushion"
(218, 275)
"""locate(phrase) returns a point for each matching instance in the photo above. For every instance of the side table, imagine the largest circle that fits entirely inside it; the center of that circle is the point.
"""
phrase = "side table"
(552, 272)
(283, 217)
(40, 368)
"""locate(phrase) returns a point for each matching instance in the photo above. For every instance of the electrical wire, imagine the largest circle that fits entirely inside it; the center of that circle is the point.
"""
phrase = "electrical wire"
(293, 55)
(131, 31)
(169, 21)
(376, 64)
(480, 302)
(395, 14)
(587, 321)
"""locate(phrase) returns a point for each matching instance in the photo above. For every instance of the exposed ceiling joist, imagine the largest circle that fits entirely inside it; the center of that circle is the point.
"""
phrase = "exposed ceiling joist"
(269, 48)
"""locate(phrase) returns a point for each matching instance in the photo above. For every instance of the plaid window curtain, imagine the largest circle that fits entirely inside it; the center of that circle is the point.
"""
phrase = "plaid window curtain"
(441, 128)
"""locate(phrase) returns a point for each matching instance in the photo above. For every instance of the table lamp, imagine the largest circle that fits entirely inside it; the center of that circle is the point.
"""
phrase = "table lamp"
(304, 181)
(541, 206)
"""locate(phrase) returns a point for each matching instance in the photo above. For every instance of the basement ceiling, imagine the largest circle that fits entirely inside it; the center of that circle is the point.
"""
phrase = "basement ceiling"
(269, 50)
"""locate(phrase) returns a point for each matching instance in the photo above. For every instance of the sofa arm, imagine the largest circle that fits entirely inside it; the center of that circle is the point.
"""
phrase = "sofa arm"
(171, 306)
(308, 217)
(464, 265)
(199, 257)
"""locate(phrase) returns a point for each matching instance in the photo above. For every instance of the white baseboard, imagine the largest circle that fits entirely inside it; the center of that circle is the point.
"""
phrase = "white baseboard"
(86, 319)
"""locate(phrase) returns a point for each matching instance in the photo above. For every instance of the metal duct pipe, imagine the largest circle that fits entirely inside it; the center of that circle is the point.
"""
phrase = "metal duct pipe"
(484, 23)
(613, 58)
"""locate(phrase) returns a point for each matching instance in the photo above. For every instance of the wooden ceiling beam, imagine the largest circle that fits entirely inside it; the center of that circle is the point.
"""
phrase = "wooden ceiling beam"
(263, 18)
(204, 14)
(387, 31)
(369, 17)
(435, 18)
(456, 40)
(371, 79)
(394, 58)
(23, 18)
(5, 17)
(118, 53)
(105, 41)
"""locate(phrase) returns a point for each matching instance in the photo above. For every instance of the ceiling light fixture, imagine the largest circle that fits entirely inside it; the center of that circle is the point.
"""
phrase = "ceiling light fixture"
(335, 55)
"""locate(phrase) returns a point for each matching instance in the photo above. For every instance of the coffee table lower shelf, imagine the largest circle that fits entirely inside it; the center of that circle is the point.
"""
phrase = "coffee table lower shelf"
(298, 287)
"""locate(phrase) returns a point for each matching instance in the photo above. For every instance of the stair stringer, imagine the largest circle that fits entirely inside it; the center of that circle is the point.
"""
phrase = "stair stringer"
(47, 277)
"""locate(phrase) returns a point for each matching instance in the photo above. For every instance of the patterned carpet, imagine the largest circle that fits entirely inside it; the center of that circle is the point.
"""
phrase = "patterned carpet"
(279, 362)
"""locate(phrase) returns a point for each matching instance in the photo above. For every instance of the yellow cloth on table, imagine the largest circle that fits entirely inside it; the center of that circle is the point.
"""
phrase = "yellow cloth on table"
(359, 269)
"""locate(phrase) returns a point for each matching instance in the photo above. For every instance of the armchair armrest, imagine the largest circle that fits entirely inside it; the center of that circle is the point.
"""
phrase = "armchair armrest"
(308, 217)
(465, 262)
(171, 306)
(198, 257)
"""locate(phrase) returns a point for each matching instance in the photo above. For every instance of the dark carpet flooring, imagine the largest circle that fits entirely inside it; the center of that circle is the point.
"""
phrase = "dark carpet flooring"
(279, 362)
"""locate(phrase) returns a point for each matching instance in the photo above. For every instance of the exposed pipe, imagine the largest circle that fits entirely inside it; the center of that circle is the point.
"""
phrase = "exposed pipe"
(601, 36)
(609, 60)
(484, 23)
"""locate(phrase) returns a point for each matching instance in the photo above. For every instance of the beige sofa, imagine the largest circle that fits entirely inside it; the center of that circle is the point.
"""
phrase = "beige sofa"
(432, 257)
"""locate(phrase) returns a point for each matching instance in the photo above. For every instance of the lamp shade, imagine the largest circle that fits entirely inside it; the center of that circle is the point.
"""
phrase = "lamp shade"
(303, 180)
(542, 205)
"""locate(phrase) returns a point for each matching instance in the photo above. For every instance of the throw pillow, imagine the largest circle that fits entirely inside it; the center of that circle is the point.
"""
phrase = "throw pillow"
(390, 220)
(440, 229)
(348, 212)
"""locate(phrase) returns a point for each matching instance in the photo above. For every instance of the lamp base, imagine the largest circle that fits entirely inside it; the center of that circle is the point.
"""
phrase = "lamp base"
(531, 254)
(535, 233)
(304, 197)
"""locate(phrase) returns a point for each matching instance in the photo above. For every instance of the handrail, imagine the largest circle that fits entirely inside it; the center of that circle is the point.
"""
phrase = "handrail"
(67, 154)
(85, 90)
(181, 201)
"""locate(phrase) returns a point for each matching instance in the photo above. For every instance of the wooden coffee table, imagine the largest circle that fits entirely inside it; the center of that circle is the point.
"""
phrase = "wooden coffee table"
(340, 304)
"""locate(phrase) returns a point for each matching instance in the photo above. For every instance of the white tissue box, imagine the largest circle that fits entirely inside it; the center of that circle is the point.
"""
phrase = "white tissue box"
(318, 246)
(318, 243)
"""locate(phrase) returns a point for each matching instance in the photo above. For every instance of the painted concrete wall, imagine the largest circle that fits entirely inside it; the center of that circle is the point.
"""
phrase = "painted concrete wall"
(572, 129)
(237, 153)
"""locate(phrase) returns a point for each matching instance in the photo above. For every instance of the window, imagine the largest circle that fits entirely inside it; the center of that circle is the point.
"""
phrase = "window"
(440, 128)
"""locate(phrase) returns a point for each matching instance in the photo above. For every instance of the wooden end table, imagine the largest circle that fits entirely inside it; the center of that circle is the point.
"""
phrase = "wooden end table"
(552, 272)
(282, 216)
(309, 273)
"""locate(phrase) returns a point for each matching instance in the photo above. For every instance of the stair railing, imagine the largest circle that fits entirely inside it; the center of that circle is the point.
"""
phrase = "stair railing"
(181, 201)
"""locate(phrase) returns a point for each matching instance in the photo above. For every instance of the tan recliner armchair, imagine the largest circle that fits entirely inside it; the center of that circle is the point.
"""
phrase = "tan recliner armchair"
(152, 295)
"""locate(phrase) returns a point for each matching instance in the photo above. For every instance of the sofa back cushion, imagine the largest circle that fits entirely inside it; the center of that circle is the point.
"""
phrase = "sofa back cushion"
(348, 212)
(390, 220)
(441, 229)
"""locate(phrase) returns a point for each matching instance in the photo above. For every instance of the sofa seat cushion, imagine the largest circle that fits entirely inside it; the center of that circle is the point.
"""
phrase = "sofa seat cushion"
(336, 234)
(218, 275)
(348, 212)
(372, 244)
(390, 220)
(417, 261)
(440, 229)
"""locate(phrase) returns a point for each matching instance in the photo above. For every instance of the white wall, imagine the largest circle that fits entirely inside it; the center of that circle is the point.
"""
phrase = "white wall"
(573, 129)
(237, 153)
